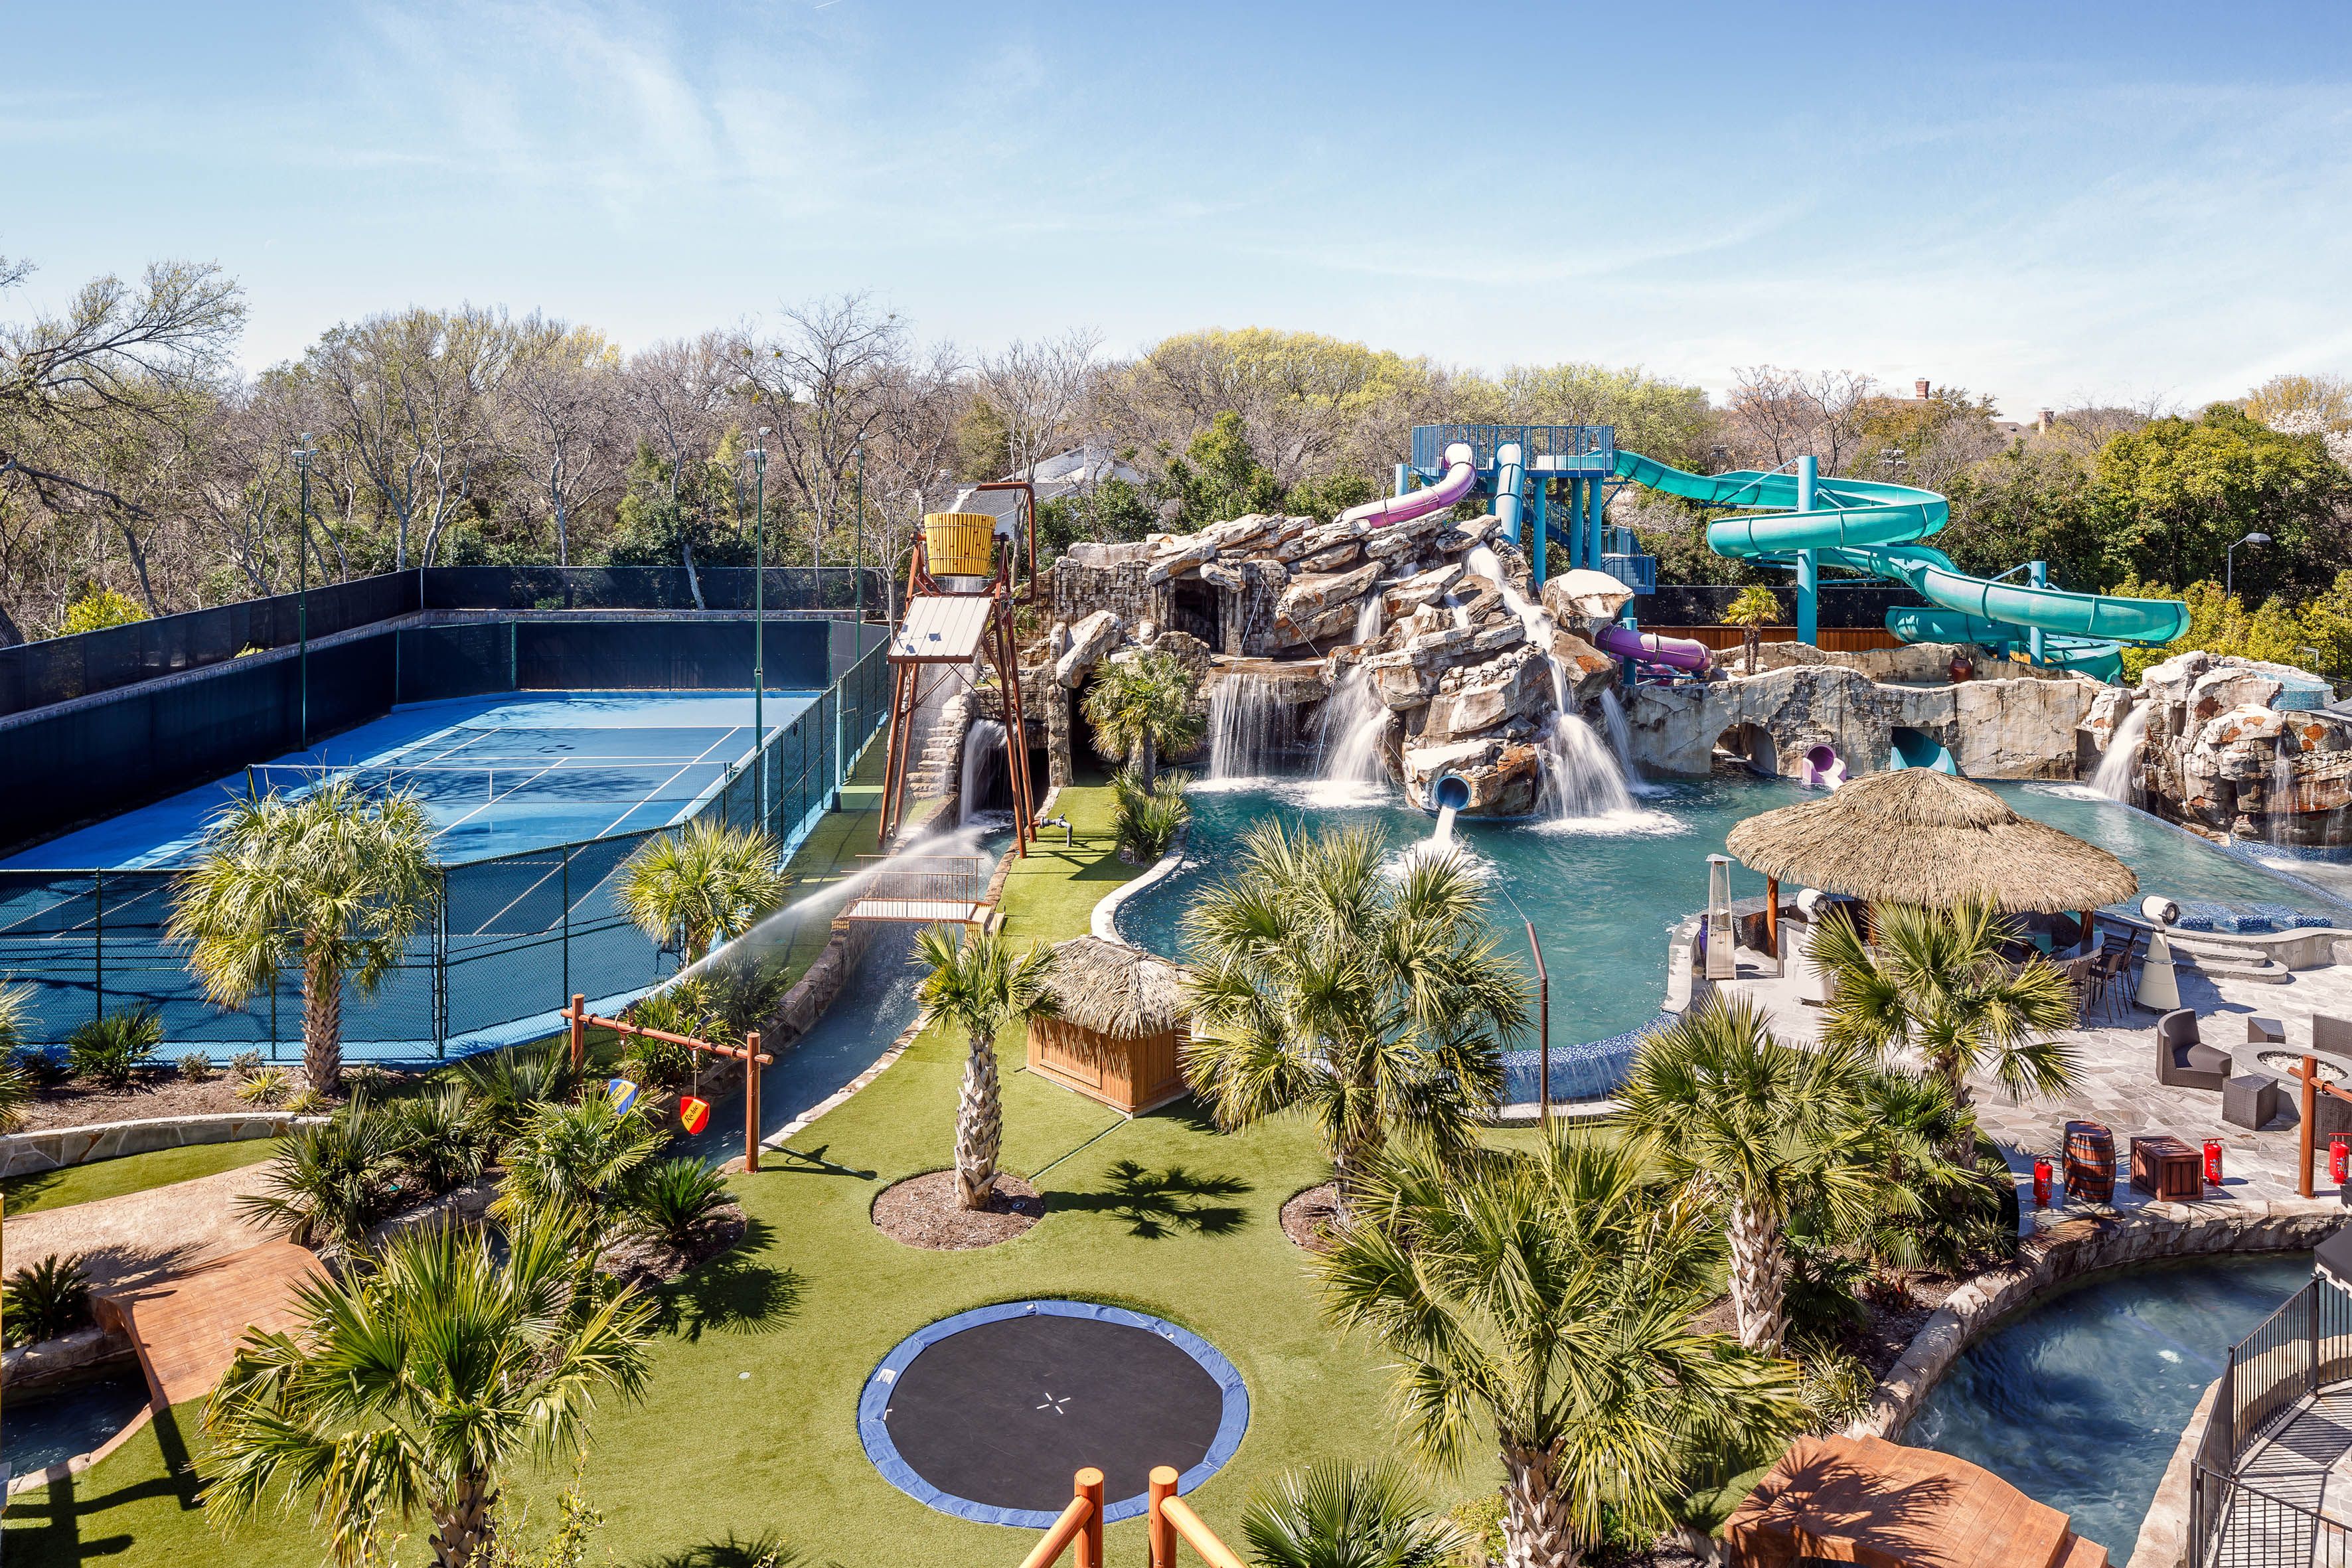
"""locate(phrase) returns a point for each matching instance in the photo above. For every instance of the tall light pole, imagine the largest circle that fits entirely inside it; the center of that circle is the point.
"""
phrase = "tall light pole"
(2230, 562)
(760, 623)
(857, 563)
(303, 452)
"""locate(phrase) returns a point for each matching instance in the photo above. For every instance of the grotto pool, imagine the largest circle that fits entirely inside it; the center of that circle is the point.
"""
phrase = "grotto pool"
(1605, 891)
(2079, 1401)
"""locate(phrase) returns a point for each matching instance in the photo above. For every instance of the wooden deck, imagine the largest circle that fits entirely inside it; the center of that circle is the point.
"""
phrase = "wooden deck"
(1864, 1499)
(186, 1326)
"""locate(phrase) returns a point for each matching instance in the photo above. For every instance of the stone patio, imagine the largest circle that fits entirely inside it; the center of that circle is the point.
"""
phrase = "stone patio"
(2118, 1085)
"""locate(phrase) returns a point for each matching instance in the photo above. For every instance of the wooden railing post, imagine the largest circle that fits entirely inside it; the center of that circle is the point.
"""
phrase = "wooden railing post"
(2309, 1074)
(1163, 1529)
(1090, 1535)
(752, 1102)
(578, 1013)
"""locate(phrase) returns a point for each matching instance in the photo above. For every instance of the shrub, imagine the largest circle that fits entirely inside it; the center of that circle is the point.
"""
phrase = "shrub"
(679, 1009)
(265, 1085)
(742, 992)
(46, 1299)
(196, 1066)
(327, 1184)
(1147, 821)
(443, 1140)
(244, 1064)
(677, 1197)
(509, 1086)
(584, 1159)
(110, 1050)
(307, 1101)
(1837, 1388)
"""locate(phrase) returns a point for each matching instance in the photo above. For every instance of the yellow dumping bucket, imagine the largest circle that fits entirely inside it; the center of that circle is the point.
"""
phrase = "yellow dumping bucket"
(957, 543)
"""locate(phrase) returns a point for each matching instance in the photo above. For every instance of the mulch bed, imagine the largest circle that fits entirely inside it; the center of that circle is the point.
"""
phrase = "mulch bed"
(1307, 1217)
(922, 1211)
(644, 1260)
(161, 1092)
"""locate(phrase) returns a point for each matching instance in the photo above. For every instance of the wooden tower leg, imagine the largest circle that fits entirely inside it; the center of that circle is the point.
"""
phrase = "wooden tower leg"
(1016, 735)
(894, 769)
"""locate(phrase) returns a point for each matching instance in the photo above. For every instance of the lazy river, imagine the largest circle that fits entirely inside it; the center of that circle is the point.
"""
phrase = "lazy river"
(1605, 891)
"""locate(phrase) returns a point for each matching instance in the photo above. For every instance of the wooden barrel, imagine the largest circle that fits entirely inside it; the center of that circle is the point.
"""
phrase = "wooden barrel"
(2090, 1162)
(958, 544)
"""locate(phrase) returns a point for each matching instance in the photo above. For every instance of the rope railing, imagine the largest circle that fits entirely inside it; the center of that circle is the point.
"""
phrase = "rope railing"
(1169, 1520)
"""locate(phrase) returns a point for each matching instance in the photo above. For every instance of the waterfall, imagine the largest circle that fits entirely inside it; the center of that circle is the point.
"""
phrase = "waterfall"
(1242, 719)
(2279, 795)
(2118, 774)
(1355, 722)
(983, 764)
(1581, 775)
(1620, 737)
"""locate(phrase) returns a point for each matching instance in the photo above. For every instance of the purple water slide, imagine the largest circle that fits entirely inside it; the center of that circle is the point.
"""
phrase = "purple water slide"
(1681, 653)
(1461, 473)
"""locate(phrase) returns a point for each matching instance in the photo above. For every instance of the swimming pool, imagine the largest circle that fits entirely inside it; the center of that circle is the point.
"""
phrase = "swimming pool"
(2080, 1400)
(1605, 892)
(47, 1428)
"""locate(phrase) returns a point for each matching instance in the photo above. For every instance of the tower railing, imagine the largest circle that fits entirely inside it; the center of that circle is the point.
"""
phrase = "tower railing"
(1535, 442)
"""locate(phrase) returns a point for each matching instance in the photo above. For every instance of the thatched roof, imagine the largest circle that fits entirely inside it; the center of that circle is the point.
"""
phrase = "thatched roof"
(1920, 836)
(1116, 990)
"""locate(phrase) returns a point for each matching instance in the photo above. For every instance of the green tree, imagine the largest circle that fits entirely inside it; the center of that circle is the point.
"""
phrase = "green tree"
(1542, 1304)
(1668, 420)
(331, 883)
(705, 884)
(979, 987)
(1769, 1128)
(2172, 495)
(1220, 476)
(1141, 708)
(1752, 609)
(1338, 1515)
(1935, 980)
(415, 1382)
(1328, 496)
(2219, 623)
(1111, 512)
(1376, 1003)
(2030, 501)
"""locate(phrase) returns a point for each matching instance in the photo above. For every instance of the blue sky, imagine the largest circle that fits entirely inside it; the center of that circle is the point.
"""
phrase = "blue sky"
(2047, 201)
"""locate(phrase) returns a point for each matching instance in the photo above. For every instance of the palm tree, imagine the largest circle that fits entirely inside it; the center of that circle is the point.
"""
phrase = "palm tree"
(1542, 1303)
(584, 1159)
(709, 882)
(1141, 708)
(1752, 609)
(331, 882)
(413, 1383)
(977, 986)
(327, 1184)
(1768, 1128)
(1939, 1202)
(1936, 979)
(16, 1083)
(1336, 1515)
(1376, 1003)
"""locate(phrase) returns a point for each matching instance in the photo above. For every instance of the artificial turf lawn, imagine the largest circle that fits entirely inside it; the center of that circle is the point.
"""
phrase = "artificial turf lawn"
(748, 1431)
(130, 1173)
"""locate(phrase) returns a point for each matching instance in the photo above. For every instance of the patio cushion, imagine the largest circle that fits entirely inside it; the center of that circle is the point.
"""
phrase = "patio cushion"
(2205, 1058)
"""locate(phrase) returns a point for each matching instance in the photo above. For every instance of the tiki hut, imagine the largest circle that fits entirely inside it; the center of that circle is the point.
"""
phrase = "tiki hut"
(1917, 836)
(1121, 1021)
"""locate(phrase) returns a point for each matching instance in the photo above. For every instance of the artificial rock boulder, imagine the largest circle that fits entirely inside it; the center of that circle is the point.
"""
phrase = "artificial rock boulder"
(2223, 755)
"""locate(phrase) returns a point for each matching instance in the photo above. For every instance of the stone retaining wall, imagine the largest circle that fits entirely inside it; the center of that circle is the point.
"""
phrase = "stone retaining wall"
(55, 1147)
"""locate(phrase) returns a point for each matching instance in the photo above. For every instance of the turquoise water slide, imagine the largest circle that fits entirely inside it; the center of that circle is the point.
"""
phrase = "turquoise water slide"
(1867, 525)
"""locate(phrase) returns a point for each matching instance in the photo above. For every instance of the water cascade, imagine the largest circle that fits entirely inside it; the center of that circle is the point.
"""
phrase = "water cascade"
(1581, 775)
(2118, 774)
(1244, 719)
(1620, 737)
(984, 765)
(1355, 719)
(2278, 795)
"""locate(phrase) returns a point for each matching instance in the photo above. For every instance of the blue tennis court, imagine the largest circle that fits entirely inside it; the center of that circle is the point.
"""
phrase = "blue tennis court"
(499, 775)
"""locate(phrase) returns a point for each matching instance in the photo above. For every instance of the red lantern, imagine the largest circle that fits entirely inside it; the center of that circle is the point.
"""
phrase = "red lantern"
(2212, 1161)
(694, 1113)
(2040, 1182)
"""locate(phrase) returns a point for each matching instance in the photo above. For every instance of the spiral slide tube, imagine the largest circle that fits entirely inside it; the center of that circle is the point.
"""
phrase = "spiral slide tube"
(1867, 525)
(1461, 474)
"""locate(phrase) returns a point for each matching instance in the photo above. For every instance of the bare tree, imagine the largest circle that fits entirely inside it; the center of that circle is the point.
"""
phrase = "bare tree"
(411, 395)
(560, 420)
(679, 396)
(1040, 389)
(1776, 416)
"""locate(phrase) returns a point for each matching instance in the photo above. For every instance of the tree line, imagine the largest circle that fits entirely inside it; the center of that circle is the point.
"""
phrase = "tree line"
(141, 472)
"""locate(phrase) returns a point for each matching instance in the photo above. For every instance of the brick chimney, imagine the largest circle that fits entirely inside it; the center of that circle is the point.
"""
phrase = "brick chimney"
(1920, 386)
(2045, 418)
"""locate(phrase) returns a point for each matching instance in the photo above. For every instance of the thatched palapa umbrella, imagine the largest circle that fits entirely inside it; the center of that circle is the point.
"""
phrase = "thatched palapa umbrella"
(1122, 1023)
(1917, 836)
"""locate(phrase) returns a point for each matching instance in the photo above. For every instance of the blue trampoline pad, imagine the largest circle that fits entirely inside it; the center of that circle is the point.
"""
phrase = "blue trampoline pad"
(497, 774)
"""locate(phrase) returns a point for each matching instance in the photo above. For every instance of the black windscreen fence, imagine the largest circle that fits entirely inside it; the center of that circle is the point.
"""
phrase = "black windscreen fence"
(511, 939)
(788, 588)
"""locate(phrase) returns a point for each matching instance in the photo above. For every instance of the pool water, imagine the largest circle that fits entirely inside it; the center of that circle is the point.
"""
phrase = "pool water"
(2079, 1402)
(39, 1430)
(1605, 893)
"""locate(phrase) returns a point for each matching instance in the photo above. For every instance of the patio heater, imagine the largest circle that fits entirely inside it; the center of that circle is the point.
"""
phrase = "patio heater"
(1721, 963)
(2157, 988)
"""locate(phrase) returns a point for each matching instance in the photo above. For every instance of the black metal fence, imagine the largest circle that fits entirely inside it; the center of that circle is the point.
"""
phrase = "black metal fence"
(512, 937)
(2271, 1374)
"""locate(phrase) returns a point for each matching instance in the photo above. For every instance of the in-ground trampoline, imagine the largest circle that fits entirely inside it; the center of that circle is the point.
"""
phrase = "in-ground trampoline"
(988, 1414)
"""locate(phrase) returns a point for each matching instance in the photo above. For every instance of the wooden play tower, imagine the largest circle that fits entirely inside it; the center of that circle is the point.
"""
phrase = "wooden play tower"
(960, 610)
